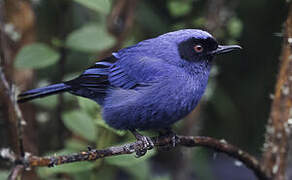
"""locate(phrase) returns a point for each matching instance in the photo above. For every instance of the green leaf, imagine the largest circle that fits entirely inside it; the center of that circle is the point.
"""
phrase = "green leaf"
(199, 22)
(162, 177)
(234, 27)
(106, 172)
(90, 38)
(66, 168)
(75, 144)
(89, 106)
(128, 159)
(80, 123)
(49, 102)
(93, 109)
(179, 8)
(4, 174)
(37, 55)
(101, 6)
(101, 123)
(143, 173)
(83, 175)
(201, 163)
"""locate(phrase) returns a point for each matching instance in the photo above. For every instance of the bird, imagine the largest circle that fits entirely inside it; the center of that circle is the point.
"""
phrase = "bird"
(147, 86)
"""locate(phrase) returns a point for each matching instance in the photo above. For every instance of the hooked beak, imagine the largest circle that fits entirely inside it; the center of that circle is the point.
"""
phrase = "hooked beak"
(225, 49)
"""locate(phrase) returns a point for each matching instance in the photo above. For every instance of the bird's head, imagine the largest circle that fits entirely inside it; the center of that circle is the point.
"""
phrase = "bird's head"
(188, 46)
(196, 44)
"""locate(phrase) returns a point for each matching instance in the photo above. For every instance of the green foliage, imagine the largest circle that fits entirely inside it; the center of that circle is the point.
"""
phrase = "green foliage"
(234, 27)
(36, 55)
(81, 124)
(162, 177)
(83, 175)
(101, 123)
(66, 168)
(199, 22)
(153, 22)
(229, 109)
(4, 174)
(179, 8)
(143, 173)
(130, 164)
(89, 107)
(105, 173)
(128, 159)
(200, 156)
(101, 6)
(49, 102)
(90, 38)
(75, 144)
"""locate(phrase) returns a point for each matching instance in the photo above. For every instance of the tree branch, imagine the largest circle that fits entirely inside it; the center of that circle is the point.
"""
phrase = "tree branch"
(279, 124)
(16, 172)
(10, 89)
(159, 142)
(20, 121)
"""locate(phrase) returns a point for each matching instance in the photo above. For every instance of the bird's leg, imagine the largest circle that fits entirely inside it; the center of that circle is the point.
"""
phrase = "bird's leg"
(147, 143)
(169, 133)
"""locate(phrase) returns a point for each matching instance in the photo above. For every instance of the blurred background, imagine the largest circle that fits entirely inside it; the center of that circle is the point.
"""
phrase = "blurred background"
(51, 40)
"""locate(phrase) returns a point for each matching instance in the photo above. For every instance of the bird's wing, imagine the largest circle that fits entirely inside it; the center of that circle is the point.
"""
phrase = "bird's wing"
(134, 71)
(101, 76)
(119, 78)
(115, 72)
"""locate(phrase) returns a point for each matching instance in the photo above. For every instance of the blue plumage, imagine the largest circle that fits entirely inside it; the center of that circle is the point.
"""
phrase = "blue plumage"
(150, 85)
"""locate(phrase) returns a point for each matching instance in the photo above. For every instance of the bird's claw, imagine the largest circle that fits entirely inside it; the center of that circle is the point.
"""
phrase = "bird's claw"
(169, 134)
(147, 144)
(173, 139)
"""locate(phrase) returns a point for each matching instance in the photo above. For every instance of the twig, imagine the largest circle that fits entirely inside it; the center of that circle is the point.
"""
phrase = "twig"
(20, 121)
(16, 172)
(10, 90)
(18, 166)
(161, 141)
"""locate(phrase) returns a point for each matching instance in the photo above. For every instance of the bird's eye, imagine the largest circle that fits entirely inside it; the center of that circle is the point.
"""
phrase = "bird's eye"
(198, 48)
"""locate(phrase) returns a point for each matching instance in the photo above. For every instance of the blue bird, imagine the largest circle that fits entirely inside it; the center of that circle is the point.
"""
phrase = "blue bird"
(150, 85)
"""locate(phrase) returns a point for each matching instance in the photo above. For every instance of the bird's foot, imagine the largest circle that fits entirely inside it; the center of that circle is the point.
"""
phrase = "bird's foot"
(147, 143)
(172, 135)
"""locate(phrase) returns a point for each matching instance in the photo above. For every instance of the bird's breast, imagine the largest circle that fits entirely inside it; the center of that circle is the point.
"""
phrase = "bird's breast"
(156, 106)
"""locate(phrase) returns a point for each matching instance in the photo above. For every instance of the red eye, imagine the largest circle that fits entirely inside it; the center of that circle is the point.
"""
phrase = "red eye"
(198, 48)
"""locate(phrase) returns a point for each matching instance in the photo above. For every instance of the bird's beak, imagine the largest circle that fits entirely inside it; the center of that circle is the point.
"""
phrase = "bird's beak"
(225, 49)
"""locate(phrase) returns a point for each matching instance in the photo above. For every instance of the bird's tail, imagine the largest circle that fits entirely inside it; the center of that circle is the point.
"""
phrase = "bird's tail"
(42, 92)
